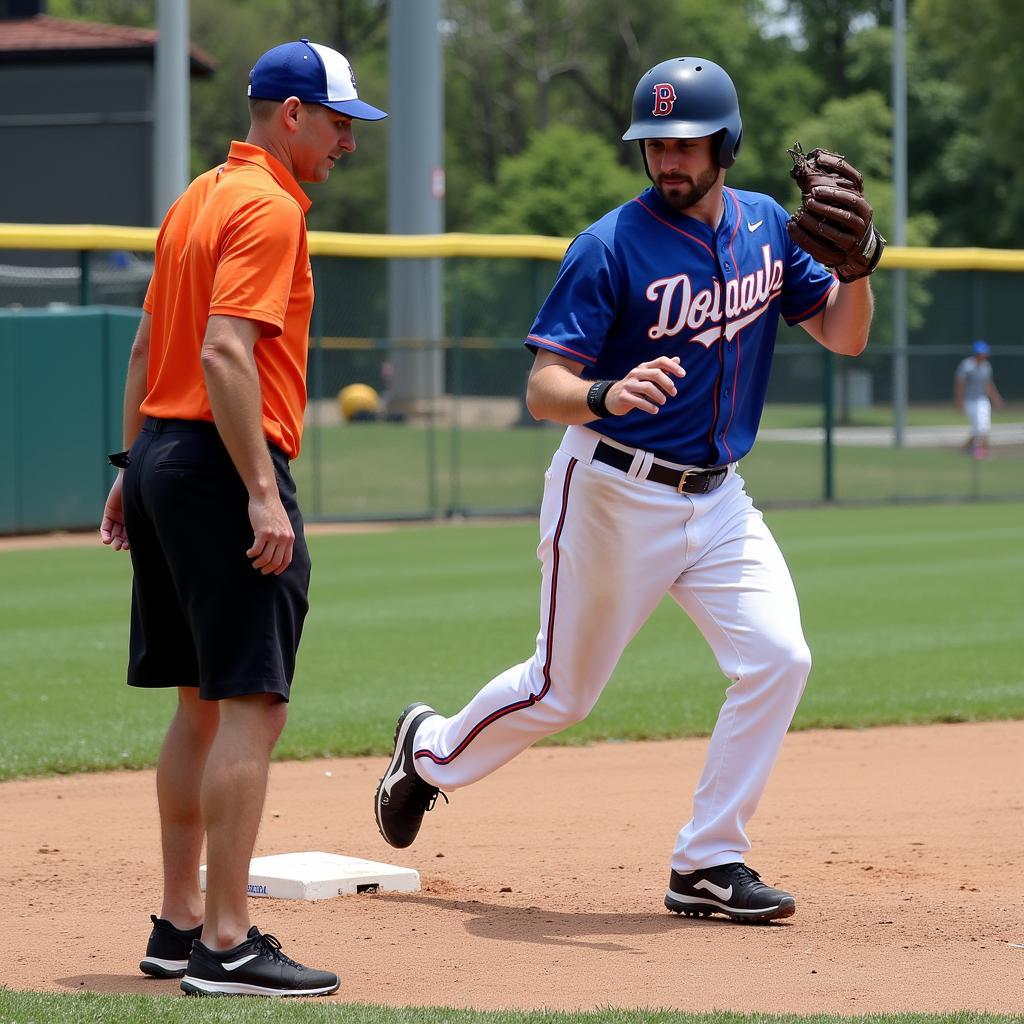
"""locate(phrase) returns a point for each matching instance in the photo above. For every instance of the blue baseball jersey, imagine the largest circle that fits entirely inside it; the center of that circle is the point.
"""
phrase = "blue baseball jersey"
(647, 281)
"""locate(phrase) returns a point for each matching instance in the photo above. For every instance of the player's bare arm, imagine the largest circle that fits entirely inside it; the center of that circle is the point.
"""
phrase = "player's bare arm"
(233, 384)
(112, 529)
(842, 326)
(135, 386)
(557, 392)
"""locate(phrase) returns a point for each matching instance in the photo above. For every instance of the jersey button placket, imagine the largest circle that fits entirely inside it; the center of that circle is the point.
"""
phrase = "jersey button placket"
(723, 256)
(728, 365)
(725, 273)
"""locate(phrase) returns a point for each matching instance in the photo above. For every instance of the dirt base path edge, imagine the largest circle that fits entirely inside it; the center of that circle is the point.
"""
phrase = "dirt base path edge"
(543, 885)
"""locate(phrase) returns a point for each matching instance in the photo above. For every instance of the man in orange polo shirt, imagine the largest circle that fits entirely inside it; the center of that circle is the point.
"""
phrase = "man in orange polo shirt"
(205, 502)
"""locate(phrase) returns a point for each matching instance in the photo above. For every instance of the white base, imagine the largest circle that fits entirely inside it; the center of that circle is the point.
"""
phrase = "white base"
(319, 876)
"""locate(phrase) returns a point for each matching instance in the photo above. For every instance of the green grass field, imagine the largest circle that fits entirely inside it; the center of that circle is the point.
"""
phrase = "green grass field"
(811, 414)
(18, 1008)
(369, 470)
(913, 615)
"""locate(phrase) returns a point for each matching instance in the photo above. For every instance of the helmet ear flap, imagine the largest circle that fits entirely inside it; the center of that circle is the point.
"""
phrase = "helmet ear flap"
(736, 147)
(643, 156)
(726, 149)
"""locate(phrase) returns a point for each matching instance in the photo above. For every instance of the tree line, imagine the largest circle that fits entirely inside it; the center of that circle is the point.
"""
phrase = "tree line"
(537, 95)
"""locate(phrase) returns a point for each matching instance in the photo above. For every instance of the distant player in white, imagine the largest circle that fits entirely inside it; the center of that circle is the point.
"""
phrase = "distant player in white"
(654, 348)
(976, 392)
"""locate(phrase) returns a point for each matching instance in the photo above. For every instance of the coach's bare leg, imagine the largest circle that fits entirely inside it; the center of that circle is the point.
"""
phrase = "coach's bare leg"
(233, 790)
(179, 775)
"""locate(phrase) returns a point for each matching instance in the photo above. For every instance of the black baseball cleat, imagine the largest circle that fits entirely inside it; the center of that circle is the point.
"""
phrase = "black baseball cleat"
(402, 796)
(732, 889)
(256, 967)
(168, 949)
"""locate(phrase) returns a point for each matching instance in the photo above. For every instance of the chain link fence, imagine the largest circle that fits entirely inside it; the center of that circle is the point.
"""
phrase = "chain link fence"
(834, 429)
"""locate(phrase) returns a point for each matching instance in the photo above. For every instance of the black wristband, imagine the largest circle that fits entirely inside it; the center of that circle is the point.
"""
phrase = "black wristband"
(596, 398)
(118, 459)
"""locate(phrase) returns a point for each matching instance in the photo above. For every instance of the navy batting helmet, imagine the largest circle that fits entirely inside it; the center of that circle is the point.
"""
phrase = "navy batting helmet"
(687, 98)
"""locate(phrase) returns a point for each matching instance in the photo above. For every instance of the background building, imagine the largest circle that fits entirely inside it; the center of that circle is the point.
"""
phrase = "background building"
(76, 113)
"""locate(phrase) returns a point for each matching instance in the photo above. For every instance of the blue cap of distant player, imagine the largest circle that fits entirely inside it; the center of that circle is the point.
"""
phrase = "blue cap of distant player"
(980, 348)
(312, 73)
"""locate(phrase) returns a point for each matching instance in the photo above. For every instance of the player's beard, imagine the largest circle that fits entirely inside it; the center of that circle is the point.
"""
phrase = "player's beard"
(683, 194)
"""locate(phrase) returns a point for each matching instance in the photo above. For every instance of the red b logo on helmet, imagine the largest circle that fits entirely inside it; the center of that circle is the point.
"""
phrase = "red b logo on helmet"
(664, 99)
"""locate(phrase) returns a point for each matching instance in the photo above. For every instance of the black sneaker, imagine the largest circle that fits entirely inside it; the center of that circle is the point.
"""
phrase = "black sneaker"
(402, 796)
(257, 967)
(168, 949)
(732, 889)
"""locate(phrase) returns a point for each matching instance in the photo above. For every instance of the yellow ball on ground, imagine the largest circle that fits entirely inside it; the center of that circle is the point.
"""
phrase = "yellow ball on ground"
(358, 401)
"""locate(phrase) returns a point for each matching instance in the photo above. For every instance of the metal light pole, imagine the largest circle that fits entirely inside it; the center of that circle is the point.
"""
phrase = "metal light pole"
(171, 120)
(415, 201)
(899, 179)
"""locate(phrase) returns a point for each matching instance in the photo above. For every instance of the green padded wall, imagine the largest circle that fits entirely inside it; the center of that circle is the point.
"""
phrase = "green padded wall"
(61, 380)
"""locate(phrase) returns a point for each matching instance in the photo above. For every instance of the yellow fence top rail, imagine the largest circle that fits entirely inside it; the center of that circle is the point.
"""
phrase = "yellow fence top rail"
(332, 243)
(321, 243)
(76, 236)
(538, 247)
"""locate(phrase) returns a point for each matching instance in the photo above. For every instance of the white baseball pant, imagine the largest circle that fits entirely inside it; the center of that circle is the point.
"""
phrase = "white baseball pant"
(979, 415)
(612, 545)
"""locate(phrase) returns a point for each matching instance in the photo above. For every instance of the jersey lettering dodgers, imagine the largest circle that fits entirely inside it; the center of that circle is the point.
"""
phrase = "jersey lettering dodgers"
(646, 281)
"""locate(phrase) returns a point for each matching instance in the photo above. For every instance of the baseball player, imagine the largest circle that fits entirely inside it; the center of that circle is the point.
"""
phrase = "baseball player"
(975, 392)
(654, 348)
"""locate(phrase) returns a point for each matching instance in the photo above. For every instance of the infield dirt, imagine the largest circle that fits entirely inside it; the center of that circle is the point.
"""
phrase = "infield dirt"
(543, 885)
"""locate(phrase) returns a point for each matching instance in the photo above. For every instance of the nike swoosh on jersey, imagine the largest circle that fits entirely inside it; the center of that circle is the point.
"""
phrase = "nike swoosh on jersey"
(755, 225)
(235, 964)
(715, 890)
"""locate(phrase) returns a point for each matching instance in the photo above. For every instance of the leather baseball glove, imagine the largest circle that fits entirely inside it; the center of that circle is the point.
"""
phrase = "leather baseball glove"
(833, 222)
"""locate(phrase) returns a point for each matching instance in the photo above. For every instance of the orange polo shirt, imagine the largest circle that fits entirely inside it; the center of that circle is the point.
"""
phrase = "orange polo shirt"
(234, 244)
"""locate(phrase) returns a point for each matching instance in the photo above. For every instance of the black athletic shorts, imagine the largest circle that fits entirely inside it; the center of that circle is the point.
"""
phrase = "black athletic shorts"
(201, 614)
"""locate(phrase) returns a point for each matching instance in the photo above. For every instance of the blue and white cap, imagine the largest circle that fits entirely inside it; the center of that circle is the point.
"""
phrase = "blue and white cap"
(312, 73)
(980, 348)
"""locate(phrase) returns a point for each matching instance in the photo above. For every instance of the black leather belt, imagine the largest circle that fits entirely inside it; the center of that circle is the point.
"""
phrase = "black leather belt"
(160, 425)
(686, 481)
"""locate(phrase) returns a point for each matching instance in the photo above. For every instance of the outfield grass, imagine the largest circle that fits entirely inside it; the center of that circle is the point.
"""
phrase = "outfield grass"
(945, 414)
(913, 615)
(377, 470)
(22, 1008)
